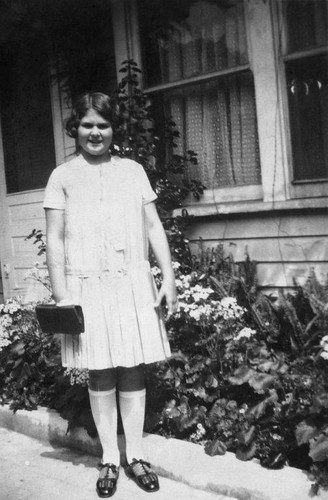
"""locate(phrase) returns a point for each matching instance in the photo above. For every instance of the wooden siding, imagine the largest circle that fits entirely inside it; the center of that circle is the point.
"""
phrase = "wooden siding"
(1, 291)
(285, 246)
(25, 214)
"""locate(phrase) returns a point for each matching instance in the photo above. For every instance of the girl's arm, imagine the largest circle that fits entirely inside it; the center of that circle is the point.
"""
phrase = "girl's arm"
(56, 254)
(159, 244)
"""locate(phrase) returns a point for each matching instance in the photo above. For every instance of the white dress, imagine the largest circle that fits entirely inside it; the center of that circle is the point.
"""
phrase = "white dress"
(106, 263)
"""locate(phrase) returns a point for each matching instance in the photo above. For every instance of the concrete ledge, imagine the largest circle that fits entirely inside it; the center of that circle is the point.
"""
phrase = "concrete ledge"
(179, 460)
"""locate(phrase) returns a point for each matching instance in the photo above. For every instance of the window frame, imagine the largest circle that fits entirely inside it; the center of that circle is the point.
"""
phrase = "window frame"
(218, 194)
(307, 188)
(263, 22)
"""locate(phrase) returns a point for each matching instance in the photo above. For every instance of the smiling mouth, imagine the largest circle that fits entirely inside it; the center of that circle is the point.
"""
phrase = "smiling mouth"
(95, 142)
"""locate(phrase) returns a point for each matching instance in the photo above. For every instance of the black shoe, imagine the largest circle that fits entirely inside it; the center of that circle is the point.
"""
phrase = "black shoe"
(106, 484)
(142, 473)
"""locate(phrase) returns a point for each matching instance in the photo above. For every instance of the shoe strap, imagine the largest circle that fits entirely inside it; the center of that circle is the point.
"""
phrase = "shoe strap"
(140, 467)
(108, 471)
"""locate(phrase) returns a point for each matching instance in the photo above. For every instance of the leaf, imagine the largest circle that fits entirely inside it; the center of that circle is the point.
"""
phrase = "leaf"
(245, 438)
(319, 448)
(169, 375)
(215, 447)
(241, 375)
(261, 381)
(18, 349)
(258, 410)
(186, 422)
(179, 356)
(18, 362)
(245, 453)
(274, 460)
(304, 432)
(26, 370)
(319, 402)
(217, 411)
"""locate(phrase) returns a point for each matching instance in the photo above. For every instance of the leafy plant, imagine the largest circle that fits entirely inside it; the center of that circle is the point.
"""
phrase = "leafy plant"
(138, 136)
(254, 382)
(29, 360)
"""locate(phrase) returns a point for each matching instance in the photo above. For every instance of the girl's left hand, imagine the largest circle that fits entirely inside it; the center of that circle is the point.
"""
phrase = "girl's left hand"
(168, 291)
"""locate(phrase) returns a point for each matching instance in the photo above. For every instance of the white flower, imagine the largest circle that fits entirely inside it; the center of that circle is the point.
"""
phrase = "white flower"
(228, 309)
(78, 376)
(4, 337)
(175, 265)
(228, 302)
(155, 271)
(324, 342)
(6, 320)
(245, 333)
(178, 283)
(324, 355)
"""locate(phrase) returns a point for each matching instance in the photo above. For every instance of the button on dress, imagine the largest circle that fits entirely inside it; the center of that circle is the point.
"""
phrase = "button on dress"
(106, 263)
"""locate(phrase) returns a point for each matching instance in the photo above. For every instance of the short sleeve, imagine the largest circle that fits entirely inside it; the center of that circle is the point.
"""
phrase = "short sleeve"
(148, 195)
(54, 193)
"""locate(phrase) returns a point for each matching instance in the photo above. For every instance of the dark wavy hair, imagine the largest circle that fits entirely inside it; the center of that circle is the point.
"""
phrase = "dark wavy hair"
(98, 101)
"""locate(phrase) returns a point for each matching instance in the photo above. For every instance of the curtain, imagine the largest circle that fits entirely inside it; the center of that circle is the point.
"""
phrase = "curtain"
(216, 119)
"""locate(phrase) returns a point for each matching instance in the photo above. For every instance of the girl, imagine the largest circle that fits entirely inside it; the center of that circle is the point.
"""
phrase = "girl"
(100, 215)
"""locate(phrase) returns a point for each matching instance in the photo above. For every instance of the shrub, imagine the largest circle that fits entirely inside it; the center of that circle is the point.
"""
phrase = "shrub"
(29, 360)
(249, 378)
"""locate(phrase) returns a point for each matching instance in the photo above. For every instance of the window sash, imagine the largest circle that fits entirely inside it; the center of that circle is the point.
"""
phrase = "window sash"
(232, 165)
(293, 53)
(265, 39)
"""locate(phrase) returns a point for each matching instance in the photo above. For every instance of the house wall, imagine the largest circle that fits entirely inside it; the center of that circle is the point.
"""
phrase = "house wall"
(285, 245)
(25, 214)
(1, 290)
(285, 242)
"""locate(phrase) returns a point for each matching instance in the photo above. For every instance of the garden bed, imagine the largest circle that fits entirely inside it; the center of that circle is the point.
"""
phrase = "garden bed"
(248, 373)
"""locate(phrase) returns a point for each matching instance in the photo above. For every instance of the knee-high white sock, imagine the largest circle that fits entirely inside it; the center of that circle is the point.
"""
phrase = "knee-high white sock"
(132, 407)
(104, 411)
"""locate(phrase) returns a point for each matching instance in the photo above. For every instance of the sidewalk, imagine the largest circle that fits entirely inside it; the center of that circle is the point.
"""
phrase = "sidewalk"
(35, 470)
(194, 474)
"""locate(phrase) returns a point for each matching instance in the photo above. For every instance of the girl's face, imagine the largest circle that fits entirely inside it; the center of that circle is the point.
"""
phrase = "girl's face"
(94, 134)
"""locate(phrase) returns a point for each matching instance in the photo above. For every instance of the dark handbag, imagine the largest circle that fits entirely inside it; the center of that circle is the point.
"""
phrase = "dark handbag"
(60, 319)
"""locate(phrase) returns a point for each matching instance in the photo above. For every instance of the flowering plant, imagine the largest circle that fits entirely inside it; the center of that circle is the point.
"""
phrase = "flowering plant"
(16, 320)
(248, 372)
(29, 360)
(39, 275)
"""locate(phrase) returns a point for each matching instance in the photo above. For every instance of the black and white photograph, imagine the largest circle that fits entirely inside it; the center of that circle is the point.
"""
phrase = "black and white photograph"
(164, 249)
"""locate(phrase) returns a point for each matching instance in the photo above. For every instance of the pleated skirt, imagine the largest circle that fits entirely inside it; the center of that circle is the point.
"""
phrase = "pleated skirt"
(122, 326)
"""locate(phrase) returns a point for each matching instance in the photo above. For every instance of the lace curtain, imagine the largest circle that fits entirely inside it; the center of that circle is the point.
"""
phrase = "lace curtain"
(216, 119)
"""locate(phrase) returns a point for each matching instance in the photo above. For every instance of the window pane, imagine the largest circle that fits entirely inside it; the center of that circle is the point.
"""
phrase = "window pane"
(307, 80)
(217, 120)
(26, 116)
(307, 23)
(187, 38)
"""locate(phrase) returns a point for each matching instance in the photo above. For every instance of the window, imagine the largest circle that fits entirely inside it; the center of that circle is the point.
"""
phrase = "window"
(74, 38)
(196, 66)
(26, 117)
(306, 68)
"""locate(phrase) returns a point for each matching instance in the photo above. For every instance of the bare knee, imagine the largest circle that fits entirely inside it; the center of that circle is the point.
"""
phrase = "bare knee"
(102, 380)
(130, 379)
